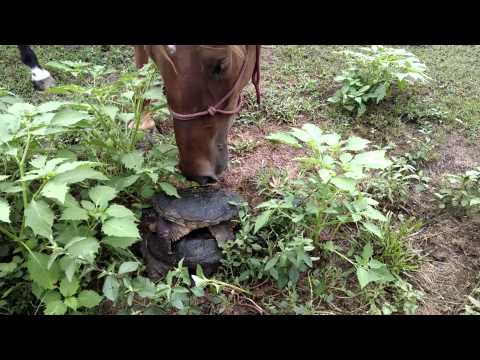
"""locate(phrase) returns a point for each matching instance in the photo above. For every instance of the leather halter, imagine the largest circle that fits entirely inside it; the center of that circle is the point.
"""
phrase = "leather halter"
(216, 109)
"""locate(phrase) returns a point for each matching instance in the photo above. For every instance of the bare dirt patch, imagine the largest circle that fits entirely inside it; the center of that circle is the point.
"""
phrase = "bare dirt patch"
(457, 155)
(244, 167)
(450, 270)
(451, 246)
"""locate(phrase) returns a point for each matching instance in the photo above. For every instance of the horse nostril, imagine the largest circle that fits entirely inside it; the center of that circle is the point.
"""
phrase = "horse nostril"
(205, 180)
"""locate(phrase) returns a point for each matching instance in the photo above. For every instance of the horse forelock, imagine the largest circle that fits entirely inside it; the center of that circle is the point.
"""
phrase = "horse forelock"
(238, 50)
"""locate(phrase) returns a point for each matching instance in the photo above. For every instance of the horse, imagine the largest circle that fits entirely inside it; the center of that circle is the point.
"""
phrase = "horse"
(41, 78)
(203, 85)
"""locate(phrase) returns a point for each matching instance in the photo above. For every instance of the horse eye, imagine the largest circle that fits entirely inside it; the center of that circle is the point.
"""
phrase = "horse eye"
(219, 67)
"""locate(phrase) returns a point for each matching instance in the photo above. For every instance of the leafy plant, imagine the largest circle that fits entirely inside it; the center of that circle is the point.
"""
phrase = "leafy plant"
(393, 185)
(328, 194)
(372, 75)
(461, 191)
(280, 240)
(69, 169)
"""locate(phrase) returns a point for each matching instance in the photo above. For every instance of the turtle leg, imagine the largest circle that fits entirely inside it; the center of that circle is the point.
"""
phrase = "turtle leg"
(156, 267)
(222, 232)
(163, 230)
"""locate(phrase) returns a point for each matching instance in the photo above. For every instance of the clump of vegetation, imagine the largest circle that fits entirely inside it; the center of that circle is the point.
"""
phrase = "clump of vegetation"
(373, 73)
(393, 185)
(62, 211)
(461, 192)
(300, 222)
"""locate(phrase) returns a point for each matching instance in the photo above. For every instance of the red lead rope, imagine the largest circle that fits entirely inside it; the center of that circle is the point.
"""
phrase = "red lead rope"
(256, 74)
(212, 110)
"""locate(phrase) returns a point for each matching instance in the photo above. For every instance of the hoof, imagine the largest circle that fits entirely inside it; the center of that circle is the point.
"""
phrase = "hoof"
(44, 84)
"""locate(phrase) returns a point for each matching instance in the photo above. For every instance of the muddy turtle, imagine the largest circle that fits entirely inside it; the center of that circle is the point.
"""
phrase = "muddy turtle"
(190, 228)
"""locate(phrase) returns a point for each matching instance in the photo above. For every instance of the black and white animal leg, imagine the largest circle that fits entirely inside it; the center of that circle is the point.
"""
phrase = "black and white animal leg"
(41, 78)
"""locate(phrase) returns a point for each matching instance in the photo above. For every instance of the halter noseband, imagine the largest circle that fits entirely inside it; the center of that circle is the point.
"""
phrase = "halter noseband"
(215, 109)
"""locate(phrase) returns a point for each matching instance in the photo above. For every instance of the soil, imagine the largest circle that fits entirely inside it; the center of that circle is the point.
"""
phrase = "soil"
(451, 246)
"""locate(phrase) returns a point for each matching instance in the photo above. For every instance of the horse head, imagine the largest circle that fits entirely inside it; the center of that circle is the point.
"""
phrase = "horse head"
(203, 85)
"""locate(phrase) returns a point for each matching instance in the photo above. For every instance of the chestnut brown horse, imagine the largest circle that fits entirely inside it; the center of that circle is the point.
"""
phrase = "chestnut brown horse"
(203, 85)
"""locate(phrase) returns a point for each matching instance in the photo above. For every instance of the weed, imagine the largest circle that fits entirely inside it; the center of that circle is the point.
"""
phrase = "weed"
(372, 75)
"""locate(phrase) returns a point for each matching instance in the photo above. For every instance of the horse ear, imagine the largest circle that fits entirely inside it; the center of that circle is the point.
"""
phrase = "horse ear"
(159, 54)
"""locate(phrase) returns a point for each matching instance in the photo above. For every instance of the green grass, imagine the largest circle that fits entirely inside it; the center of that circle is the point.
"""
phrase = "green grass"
(16, 77)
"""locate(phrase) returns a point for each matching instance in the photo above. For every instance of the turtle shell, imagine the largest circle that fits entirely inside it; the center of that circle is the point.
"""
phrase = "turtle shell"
(197, 208)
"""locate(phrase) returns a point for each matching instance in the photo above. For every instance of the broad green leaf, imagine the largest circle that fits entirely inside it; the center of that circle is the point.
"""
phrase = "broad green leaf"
(331, 139)
(69, 288)
(145, 287)
(71, 302)
(374, 214)
(49, 106)
(155, 93)
(69, 266)
(121, 183)
(10, 188)
(475, 201)
(39, 217)
(10, 126)
(120, 242)
(48, 295)
(72, 165)
(363, 277)
(344, 183)
(374, 229)
(80, 174)
(169, 189)
(128, 267)
(55, 190)
(68, 117)
(86, 248)
(4, 211)
(325, 175)
(380, 275)
(7, 268)
(56, 307)
(345, 157)
(284, 138)
(119, 211)
(102, 195)
(111, 287)
(89, 299)
(314, 132)
(367, 251)
(66, 154)
(372, 159)
(111, 111)
(356, 144)
(271, 263)
(262, 220)
(21, 109)
(133, 160)
(38, 161)
(39, 273)
(301, 135)
(88, 205)
(125, 227)
(74, 214)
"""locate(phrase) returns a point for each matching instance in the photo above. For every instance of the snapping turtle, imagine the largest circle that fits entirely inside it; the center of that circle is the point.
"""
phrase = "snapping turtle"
(189, 228)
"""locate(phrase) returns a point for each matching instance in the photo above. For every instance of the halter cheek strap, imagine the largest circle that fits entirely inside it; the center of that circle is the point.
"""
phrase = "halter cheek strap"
(215, 109)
